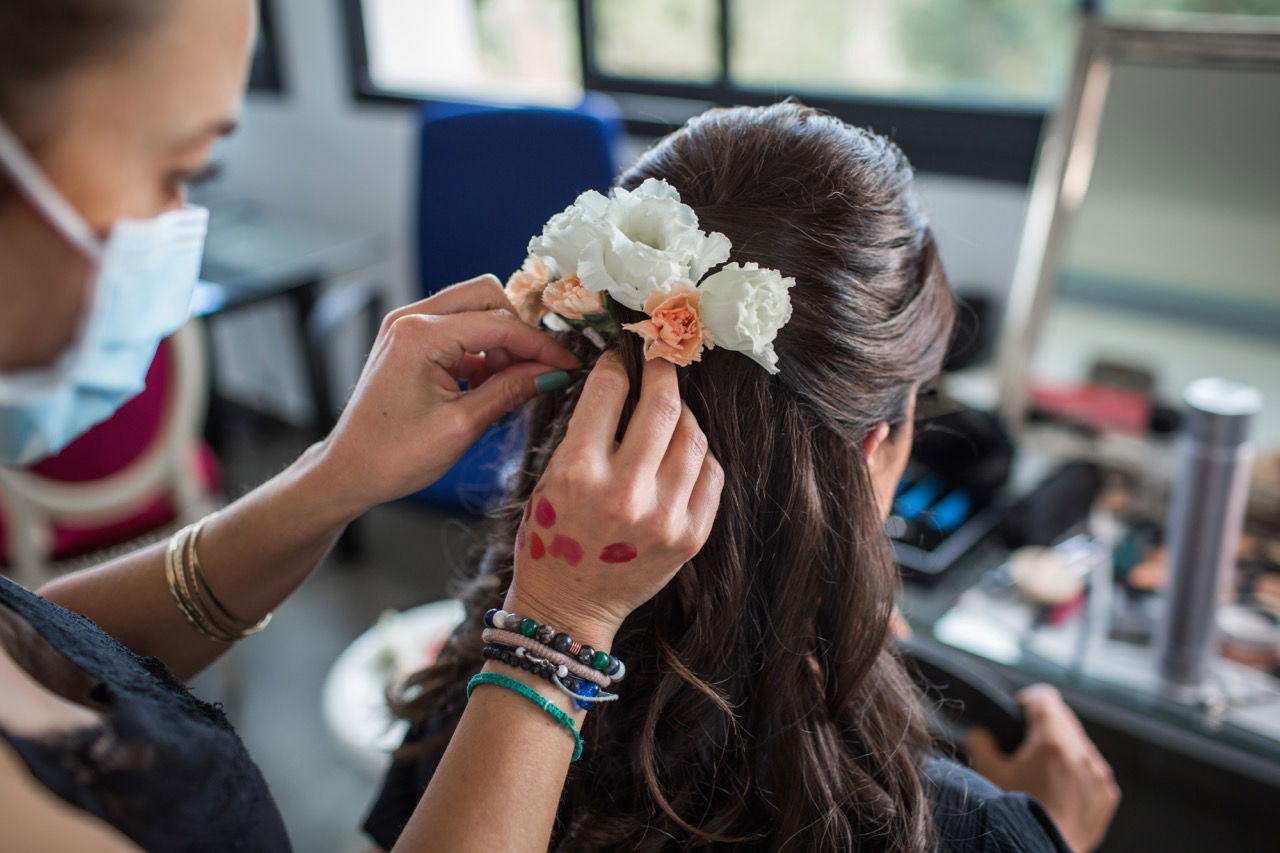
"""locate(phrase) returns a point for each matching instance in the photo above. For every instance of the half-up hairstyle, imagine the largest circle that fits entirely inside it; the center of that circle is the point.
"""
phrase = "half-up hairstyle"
(763, 705)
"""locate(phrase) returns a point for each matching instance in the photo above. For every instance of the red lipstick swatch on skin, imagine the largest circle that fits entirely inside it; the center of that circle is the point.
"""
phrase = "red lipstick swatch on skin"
(537, 549)
(567, 549)
(618, 552)
(545, 514)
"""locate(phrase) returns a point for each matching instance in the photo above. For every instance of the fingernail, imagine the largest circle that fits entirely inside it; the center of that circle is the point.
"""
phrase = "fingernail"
(556, 380)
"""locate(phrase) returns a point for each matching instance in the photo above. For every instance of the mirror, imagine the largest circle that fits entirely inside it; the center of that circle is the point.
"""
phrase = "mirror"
(1152, 251)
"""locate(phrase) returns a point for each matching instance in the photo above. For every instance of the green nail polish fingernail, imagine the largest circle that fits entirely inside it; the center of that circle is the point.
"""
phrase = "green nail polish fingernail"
(556, 380)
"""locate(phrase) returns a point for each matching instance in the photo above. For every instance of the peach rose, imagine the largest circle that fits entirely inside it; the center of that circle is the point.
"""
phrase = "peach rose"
(568, 298)
(674, 329)
(525, 287)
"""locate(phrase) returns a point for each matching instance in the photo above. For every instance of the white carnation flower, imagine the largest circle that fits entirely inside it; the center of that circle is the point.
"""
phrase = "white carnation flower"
(631, 245)
(567, 234)
(744, 307)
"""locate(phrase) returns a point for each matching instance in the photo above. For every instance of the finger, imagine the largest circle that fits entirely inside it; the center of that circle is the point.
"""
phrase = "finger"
(1037, 701)
(985, 754)
(482, 293)
(655, 418)
(498, 359)
(449, 337)
(472, 369)
(683, 461)
(704, 500)
(1054, 713)
(595, 419)
(501, 394)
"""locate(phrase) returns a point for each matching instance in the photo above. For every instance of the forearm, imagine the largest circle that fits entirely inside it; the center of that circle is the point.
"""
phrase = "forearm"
(498, 784)
(254, 554)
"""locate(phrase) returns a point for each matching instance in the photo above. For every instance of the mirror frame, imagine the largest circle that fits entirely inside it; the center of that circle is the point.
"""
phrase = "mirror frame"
(1065, 161)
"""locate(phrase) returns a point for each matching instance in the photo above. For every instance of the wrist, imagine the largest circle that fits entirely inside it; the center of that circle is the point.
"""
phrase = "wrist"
(591, 631)
(323, 492)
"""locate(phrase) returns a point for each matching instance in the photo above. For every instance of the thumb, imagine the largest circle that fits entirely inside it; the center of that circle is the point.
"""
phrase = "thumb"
(985, 754)
(503, 392)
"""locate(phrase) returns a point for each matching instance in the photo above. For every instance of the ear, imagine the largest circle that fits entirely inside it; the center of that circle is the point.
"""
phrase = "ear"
(872, 442)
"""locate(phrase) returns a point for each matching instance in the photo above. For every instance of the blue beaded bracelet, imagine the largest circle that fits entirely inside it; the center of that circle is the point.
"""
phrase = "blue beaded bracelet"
(499, 680)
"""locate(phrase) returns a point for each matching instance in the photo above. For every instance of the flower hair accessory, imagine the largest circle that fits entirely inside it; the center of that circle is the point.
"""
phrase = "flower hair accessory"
(643, 248)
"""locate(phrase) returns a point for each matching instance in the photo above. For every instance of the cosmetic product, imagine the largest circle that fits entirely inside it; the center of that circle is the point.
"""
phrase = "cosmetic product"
(1206, 514)
(1249, 636)
(1045, 576)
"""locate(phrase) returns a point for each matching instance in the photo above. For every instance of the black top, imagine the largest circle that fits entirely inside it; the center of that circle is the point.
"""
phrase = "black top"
(971, 814)
(166, 769)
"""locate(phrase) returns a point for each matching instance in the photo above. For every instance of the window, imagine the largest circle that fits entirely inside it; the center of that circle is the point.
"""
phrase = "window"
(962, 85)
(498, 50)
(658, 39)
(972, 51)
(265, 74)
(1130, 8)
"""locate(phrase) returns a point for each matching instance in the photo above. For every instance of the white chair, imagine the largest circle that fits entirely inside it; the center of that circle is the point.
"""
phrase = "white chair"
(31, 505)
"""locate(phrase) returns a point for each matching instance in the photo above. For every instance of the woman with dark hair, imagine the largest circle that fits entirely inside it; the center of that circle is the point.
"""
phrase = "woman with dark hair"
(108, 108)
(763, 706)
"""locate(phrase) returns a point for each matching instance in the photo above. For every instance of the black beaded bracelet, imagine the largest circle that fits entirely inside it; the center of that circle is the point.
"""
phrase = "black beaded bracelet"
(543, 669)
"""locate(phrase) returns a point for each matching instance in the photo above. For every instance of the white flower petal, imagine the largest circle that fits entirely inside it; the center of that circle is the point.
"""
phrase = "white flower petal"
(632, 244)
(744, 307)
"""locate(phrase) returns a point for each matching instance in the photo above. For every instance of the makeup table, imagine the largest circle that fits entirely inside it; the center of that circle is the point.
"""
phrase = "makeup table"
(1219, 756)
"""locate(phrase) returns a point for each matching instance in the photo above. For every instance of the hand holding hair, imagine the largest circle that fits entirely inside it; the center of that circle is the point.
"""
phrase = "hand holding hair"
(407, 423)
(611, 523)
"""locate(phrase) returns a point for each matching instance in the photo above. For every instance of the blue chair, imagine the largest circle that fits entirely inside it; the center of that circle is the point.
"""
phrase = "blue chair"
(490, 178)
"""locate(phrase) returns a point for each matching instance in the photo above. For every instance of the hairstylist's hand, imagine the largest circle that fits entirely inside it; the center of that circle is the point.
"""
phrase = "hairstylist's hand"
(610, 524)
(1057, 764)
(407, 422)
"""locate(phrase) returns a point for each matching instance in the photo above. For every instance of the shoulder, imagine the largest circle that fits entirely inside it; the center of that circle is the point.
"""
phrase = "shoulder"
(974, 816)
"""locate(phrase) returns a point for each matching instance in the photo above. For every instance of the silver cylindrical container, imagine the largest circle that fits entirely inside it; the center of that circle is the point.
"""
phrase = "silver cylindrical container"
(1202, 531)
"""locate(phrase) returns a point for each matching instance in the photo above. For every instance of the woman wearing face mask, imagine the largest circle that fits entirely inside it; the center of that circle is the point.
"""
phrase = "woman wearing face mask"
(107, 108)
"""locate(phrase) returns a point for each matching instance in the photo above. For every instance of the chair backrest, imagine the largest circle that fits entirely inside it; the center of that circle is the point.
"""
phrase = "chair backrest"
(148, 448)
(491, 176)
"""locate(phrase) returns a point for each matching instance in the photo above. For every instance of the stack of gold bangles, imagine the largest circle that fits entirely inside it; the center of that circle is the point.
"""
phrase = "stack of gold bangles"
(195, 598)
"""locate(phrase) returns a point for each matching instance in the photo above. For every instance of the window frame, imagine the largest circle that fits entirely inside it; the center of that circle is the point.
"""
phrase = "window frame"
(266, 75)
(988, 141)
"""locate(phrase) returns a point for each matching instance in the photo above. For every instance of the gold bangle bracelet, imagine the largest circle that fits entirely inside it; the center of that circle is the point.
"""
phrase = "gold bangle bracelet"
(191, 591)
(230, 622)
(177, 587)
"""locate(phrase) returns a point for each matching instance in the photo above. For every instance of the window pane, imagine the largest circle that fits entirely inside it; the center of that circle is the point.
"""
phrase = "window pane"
(503, 50)
(1210, 7)
(658, 39)
(965, 50)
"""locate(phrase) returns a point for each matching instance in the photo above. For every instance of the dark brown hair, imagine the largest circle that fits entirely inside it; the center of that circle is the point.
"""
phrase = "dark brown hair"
(43, 40)
(762, 701)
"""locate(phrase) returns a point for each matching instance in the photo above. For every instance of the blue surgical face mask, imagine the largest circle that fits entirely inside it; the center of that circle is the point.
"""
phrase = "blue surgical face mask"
(144, 276)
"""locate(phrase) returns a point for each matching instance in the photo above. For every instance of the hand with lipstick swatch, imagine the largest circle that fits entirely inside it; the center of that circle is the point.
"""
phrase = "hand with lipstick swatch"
(611, 523)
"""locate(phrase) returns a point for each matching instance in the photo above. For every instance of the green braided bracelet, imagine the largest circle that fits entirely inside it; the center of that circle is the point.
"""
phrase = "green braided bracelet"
(499, 680)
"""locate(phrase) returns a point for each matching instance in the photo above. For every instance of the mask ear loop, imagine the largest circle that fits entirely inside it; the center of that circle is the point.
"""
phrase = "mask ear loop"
(41, 192)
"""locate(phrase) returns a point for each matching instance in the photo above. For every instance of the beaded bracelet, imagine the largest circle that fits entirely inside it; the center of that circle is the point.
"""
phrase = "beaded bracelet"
(558, 641)
(506, 681)
(508, 638)
(511, 657)
(585, 694)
